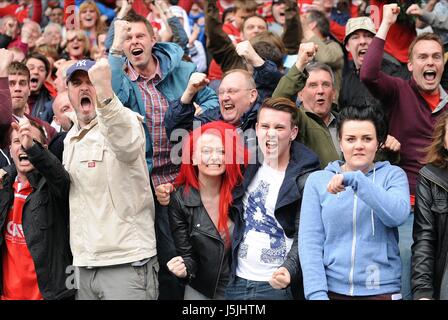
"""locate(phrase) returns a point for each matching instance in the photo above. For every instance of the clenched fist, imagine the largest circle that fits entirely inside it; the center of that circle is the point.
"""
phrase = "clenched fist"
(197, 82)
(24, 130)
(390, 13)
(246, 51)
(101, 78)
(163, 192)
(177, 267)
(392, 144)
(6, 58)
(280, 279)
(414, 10)
(336, 184)
(121, 31)
(307, 51)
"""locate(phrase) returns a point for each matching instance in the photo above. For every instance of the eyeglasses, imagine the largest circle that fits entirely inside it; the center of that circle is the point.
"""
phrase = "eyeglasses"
(231, 91)
(75, 38)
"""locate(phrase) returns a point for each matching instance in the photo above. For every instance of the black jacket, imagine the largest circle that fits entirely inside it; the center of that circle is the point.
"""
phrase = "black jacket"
(45, 220)
(43, 105)
(354, 93)
(430, 248)
(287, 209)
(197, 240)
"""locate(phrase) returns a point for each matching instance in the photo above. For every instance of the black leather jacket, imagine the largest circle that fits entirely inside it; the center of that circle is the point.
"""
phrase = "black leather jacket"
(45, 221)
(430, 248)
(198, 242)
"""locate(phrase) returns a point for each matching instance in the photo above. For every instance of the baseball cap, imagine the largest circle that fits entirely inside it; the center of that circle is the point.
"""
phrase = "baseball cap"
(83, 65)
(359, 23)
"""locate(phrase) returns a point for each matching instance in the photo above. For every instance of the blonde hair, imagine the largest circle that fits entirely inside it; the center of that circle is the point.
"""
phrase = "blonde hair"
(100, 26)
(85, 39)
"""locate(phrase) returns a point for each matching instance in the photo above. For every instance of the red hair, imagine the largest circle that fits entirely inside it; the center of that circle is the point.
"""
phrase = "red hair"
(235, 156)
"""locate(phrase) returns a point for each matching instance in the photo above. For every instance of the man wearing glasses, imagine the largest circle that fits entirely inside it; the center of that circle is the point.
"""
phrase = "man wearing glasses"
(238, 103)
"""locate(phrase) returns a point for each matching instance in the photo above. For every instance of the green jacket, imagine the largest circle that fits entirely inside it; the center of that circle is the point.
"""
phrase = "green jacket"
(312, 130)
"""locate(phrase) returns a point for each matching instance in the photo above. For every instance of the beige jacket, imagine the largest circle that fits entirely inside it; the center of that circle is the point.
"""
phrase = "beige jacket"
(111, 203)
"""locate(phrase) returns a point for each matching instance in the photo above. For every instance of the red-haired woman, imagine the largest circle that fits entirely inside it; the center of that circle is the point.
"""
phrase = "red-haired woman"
(430, 249)
(198, 209)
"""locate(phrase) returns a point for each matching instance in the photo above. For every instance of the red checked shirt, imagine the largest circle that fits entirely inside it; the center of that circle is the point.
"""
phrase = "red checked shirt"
(156, 105)
(19, 274)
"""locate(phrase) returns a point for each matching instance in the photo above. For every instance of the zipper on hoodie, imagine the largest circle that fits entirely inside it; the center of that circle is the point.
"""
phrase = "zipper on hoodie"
(352, 260)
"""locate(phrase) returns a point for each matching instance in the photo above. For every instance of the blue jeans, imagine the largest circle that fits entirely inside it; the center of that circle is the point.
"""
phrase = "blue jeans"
(405, 243)
(242, 289)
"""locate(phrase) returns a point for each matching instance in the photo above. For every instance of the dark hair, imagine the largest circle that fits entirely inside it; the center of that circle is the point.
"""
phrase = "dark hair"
(322, 22)
(367, 113)
(226, 12)
(282, 104)
(41, 57)
(19, 68)
(437, 154)
(268, 51)
(133, 17)
(272, 38)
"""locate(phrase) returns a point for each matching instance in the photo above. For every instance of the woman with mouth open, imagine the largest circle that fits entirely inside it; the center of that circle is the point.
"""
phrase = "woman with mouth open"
(90, 21)
(348, 237)
(198, 210)
(78, 46)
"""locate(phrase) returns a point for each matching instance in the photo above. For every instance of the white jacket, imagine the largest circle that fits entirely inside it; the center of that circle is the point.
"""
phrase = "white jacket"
(111, 203)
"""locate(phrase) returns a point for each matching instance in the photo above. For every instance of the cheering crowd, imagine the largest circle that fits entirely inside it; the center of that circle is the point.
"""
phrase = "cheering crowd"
(223, 149)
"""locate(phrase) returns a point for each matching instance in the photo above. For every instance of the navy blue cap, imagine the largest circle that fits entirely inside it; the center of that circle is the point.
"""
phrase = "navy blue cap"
(83, 65)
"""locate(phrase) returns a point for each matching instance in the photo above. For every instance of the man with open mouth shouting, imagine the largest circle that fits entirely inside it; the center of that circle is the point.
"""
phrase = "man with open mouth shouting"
(414, 106)
(34, 219)
(154, 75)
(359, 33)
(112, 233)
(40, 100)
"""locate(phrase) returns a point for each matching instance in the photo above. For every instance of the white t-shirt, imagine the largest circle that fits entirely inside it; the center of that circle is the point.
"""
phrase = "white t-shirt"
(264, 246)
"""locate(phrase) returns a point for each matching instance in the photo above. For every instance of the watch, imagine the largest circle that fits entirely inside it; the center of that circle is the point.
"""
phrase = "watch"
(116, 52)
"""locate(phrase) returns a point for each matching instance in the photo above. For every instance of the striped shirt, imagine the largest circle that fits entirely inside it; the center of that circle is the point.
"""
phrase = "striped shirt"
(156, 105)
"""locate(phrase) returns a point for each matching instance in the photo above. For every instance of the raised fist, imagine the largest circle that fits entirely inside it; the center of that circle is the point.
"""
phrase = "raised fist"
(307, 51)
(121, 29)
(390, 13)
(246, 51)
(6, 57)
(126, 6)
(414, 10)
(101, 78)
(197, 82)
(24, 130)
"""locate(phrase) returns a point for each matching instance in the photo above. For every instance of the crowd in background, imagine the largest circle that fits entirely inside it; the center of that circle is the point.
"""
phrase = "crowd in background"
(224, 149)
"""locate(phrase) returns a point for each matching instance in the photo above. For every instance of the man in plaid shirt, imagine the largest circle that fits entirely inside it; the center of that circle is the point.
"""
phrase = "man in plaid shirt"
(146, 76)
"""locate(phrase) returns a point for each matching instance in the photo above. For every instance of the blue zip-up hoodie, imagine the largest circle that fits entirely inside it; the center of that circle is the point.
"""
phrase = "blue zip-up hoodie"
(175, 76)
(348, 242)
